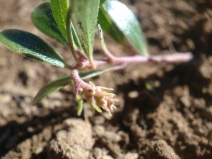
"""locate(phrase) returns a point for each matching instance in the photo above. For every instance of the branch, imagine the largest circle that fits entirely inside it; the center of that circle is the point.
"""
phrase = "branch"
(176, 57)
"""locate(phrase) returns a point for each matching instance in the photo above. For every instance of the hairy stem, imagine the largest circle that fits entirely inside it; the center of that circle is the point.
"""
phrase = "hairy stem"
(79, 83)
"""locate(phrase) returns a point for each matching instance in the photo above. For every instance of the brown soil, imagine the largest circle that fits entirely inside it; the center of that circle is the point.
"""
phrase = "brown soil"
(171, 121)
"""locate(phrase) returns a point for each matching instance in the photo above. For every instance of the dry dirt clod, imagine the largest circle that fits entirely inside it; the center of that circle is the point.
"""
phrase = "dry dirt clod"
(73, 143)
(163, 150)
(99, 153)
(208, 113)
(130, 155)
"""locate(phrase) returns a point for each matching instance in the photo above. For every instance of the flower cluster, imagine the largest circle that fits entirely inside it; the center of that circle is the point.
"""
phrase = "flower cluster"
(96, 96)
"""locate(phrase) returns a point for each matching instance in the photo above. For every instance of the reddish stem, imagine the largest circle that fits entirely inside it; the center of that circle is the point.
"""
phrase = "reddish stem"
(176, 57)
(79, 83)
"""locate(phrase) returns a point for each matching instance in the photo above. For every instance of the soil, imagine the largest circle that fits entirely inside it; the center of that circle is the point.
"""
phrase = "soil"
(172, 120)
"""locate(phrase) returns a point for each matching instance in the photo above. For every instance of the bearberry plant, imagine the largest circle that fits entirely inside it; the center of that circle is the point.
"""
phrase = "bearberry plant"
(74, 23)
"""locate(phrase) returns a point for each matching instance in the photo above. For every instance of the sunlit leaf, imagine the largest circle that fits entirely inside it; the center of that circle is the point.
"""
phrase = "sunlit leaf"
(102, 1)
(52, 87)
(31, 46)
(109, 27)
(127, 23)
(60, 10)
(43, 19)
(84, 18)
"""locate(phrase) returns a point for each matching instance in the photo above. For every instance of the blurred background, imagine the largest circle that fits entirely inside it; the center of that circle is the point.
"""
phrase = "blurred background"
(171, 119)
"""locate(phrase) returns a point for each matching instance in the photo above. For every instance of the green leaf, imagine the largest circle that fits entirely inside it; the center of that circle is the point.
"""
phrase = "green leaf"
(62, 82)
(84, 18)
(43, 19)
(72, 36)
(126, 21)
(80, 105)
(91, 74)
(52, 87)
(95, 107)
(109, 27)
(60, 10)
(102, 1)
(75, 38)
(31, 46)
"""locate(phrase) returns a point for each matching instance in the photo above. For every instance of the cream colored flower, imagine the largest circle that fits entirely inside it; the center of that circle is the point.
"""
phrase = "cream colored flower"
(98, 98)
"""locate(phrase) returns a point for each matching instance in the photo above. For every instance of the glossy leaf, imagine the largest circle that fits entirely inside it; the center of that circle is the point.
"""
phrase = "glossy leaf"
(109, 27)
(62, 82)
(31, 46)
(60, 10)
(52, 87)
(126, 21)
(43, 19)
(84, 18)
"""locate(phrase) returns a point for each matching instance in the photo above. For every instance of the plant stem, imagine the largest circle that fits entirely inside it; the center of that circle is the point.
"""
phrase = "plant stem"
(104, 47)
(176, 57)
(79, 83)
